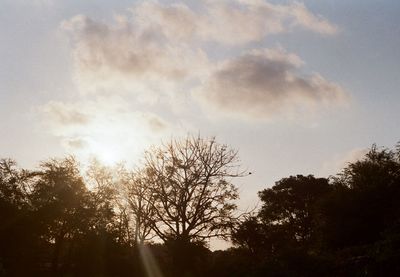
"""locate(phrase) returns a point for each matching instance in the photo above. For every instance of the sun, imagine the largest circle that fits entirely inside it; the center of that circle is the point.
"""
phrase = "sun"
(107, 152)
(111, 138)
(107, 156)
(113, 150)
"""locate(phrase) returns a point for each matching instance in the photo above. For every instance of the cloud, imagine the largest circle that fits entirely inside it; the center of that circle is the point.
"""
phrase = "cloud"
(245, 21)
(155, 55)
(158, 49)
(130, 57)
(65, 115)
(174, 21)
(305, 18)
(339, 162)
(172, 57)
(124, 48)
(228, 22)
(103, 113)
(74, 143)
(262, 84)
(113, 130)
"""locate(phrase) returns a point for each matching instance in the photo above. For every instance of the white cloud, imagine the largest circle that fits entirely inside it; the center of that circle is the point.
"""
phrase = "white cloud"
(227, 22)
(262, 84)
(156, 54)
(159, 48)
(244, 21)
(306, 19)
(130, 57)
(112, 131)
(175, 21)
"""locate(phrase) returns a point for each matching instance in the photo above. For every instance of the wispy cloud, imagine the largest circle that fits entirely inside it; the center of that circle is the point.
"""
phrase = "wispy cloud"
(75, 143)
(228, 22)
(65, 115)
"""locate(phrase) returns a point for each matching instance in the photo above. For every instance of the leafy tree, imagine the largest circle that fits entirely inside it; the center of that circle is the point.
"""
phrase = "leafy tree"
(250, 235)
(289, 207)
(281, 238)
(361, 217)
(14, 183)
(365, 202)
(18, 228)
(56, 221)
(62, 206)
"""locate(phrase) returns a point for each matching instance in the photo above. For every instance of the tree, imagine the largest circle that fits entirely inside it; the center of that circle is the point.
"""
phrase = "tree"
(102, 183)
(366, 200)
(250, 235)
(290, 206)
(281, 238)
(139, 199)
(18, 229)
(14, 185)
(191, 189)
(62, 206)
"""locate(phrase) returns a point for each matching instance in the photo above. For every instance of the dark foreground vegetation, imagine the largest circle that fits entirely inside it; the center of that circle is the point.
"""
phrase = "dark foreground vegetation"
(156, 220)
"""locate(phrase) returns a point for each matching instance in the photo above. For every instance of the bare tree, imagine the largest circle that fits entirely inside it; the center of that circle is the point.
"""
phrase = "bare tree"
(105, 185)
(190, 188)
(138, 199)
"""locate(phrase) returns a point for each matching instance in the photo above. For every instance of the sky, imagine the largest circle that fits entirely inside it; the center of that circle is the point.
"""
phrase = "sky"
(295, 87)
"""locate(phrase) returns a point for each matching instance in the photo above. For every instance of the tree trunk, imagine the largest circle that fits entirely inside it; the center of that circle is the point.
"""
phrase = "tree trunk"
(56, 254)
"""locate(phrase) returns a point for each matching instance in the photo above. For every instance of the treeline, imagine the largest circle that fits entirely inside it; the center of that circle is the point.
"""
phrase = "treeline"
(156, 220)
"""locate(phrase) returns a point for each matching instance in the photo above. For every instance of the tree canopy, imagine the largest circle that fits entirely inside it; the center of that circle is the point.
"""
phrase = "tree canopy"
(63, 220)
(190, 184)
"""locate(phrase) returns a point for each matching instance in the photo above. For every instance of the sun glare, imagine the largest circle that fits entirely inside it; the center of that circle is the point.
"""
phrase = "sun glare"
(108, 156)
(114, 149)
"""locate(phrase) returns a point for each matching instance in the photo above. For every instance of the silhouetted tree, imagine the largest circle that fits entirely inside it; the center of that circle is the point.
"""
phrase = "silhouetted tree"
(250, 235)
(19, 239)
(349, 226)
(61, 202)
(191, 194)
(289, 207)
(189, 180)
(138, 196)
(104, 189)
(58, 222)
(282, 234)
(362, 216)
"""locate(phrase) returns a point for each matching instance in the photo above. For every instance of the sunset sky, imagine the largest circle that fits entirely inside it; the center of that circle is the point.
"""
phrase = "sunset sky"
(296, 87)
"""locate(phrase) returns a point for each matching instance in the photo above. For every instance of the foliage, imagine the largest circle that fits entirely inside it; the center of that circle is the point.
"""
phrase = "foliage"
(60, 221)
(349, 224)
